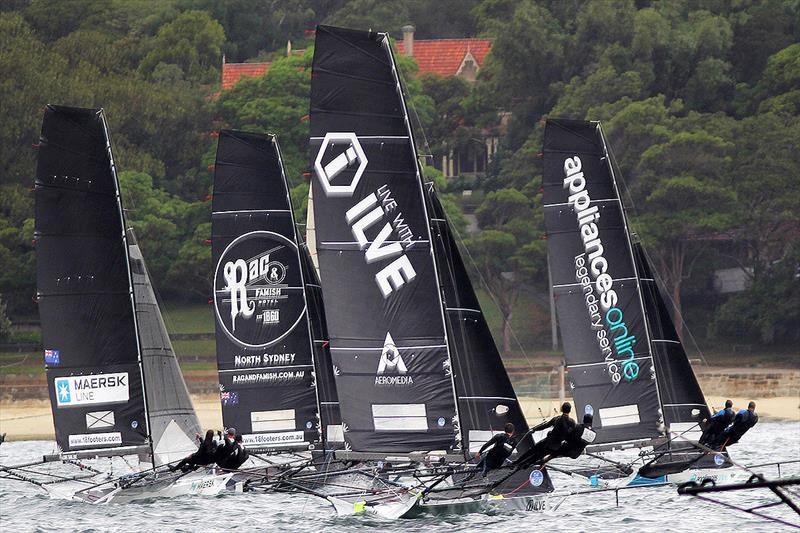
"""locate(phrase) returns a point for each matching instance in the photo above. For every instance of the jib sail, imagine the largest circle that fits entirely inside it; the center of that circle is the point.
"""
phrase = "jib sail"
(486, 398)
(265, 341)
(684, 404)
(99, 341)
(596, 286)
(173, 422)
(388, 338)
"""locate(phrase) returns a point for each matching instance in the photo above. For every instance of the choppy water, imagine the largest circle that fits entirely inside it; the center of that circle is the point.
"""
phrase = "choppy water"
(24, 507)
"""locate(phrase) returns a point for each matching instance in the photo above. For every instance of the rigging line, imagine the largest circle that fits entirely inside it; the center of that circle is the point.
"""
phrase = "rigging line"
(686, 328)
(491, 295)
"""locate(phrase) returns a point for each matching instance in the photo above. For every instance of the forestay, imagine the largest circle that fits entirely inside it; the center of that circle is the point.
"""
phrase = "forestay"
(266, 343)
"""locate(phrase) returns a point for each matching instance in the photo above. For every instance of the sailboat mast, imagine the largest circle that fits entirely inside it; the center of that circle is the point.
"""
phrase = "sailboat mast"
(647, 331)
(118, 196)
(312, 346)
(386, 44)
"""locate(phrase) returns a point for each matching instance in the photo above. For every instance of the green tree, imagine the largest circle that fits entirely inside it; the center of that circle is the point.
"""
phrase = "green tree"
(686, 197)
(504, 252)
(192, 42)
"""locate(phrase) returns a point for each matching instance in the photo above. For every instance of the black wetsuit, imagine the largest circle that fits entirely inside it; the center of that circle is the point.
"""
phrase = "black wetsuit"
(716, 425)
(500, 447)
(205, 455)
(575, 442)
(562, 426)
(744, 420)
(225, 449)
(236, 458)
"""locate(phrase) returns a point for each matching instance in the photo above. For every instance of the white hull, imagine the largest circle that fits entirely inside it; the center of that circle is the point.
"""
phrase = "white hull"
(412, 505)
(717, 475)
(201, 483)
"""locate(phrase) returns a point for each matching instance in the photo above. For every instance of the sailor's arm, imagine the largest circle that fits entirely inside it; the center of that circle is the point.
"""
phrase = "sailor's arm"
(544, 425)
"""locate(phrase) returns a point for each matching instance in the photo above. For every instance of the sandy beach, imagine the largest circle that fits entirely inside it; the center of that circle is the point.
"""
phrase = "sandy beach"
(33, 420)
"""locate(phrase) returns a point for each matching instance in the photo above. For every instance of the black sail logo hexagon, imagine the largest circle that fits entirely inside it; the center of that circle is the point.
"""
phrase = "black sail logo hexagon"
(258, 289)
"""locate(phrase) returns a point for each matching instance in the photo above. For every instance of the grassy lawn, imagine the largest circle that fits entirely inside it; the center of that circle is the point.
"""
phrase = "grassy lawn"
(187, 350)
(186, 318)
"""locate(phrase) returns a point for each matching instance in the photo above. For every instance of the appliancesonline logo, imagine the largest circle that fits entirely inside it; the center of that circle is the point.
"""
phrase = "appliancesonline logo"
(91, 389)
(340, 155)
(612, 332)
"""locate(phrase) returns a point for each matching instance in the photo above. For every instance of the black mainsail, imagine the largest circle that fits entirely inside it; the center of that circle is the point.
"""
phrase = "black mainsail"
(113, 379)
(267, 301)
(416, 367)
(626, 364)
(388, 337)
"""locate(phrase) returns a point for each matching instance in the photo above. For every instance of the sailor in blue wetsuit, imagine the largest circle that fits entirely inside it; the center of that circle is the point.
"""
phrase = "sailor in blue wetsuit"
(717, 424)
(742, 422)
(499, 449)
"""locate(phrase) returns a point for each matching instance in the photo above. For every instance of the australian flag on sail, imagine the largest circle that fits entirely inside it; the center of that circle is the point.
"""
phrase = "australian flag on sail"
(229, 398)
(52, 357)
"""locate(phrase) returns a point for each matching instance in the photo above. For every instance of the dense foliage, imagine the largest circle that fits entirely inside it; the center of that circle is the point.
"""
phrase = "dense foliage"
(700, 100)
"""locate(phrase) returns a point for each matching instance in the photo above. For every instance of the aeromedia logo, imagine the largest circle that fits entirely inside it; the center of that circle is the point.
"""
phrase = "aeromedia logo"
(391, 362)
(255, 307)
(610, 324)
(341, 155)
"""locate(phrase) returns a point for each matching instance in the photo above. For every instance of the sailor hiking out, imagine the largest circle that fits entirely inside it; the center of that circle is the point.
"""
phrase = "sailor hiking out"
(236, 457)
(205, 454)
(563, 426)
(577, 440)
(742, 422)
(499, 449)
(715, 425)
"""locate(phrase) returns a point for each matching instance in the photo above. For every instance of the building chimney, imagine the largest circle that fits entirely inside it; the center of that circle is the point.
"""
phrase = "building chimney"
(408, 39)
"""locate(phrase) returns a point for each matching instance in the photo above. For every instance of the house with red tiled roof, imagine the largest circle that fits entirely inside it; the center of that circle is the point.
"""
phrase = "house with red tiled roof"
(233, 72)
(445, 57)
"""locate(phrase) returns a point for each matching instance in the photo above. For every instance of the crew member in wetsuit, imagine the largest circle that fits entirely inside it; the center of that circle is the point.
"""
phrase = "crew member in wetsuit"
(717, 424)
(577, 440)
(226, 447)
(562, 426)
(500, 447)
(237, 457)
(742, 422)
(205, 454)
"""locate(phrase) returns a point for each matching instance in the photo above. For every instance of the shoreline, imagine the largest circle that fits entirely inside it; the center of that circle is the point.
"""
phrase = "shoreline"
(33, 420)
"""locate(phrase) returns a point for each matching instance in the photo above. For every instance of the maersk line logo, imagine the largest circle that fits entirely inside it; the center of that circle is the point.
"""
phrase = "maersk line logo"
(391, 362)
(612, 331)
(91, 389)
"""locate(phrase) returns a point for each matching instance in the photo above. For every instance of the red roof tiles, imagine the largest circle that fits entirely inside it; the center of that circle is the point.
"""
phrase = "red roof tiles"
(444, 56)
(233, 72)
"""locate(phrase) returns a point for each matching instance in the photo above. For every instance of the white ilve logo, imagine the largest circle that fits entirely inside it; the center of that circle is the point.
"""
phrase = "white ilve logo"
(352, 154)
(376, 207)
(390, 358)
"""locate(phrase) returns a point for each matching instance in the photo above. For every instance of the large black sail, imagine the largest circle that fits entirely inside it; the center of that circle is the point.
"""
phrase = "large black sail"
(86, 304)
(173, 422)
(595, 283)
(388, 340)
(265, 351)
(486, 398)
(684, 404)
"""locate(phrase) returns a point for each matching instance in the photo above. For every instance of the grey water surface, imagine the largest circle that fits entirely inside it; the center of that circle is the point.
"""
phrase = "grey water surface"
(24, 507)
